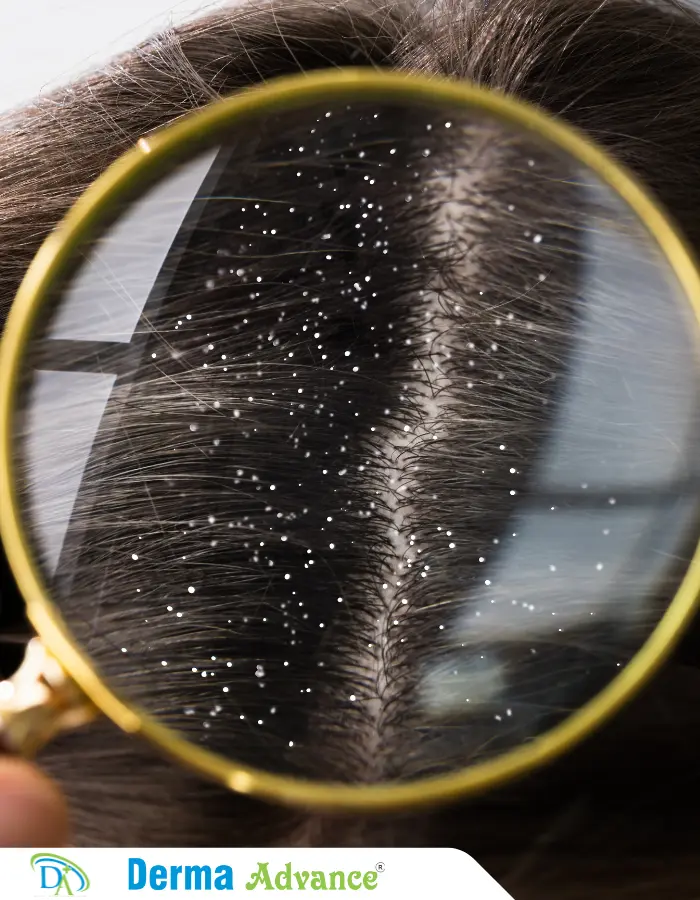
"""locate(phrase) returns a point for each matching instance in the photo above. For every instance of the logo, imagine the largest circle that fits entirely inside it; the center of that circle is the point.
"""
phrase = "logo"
(58, 876)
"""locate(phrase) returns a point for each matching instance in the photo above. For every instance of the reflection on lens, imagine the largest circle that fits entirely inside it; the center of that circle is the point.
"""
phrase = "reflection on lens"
(359, 447)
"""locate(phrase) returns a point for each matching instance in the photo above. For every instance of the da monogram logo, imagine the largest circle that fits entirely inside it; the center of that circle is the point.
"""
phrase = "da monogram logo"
(58, 876)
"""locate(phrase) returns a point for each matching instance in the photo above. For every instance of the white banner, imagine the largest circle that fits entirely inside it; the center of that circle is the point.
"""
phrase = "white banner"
(151, 873)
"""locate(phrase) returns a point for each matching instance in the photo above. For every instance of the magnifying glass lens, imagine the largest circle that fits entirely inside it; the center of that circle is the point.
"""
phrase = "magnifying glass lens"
(360, 444)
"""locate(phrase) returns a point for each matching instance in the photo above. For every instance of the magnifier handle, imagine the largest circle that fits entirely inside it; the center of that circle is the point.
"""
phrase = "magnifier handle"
(38, 702)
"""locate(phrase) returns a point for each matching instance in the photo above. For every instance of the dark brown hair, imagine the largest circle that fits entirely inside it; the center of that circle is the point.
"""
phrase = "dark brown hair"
(618, 816)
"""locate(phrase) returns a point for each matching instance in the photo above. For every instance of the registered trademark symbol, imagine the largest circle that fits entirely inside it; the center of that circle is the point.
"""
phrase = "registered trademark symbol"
(380, 867)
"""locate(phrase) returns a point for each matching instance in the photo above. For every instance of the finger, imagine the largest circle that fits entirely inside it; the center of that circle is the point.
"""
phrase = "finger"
(33, 812)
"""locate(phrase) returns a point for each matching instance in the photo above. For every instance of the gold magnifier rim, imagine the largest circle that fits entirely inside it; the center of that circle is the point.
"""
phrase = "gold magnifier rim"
(141, 166)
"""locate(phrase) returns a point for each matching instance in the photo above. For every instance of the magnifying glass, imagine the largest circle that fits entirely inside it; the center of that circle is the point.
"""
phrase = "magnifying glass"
(348, 443)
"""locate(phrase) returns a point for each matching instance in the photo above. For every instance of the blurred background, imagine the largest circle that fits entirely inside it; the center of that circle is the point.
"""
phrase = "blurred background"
(46, 43)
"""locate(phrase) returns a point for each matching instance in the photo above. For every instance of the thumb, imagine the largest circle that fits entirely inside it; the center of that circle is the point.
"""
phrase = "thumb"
(33, 812)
